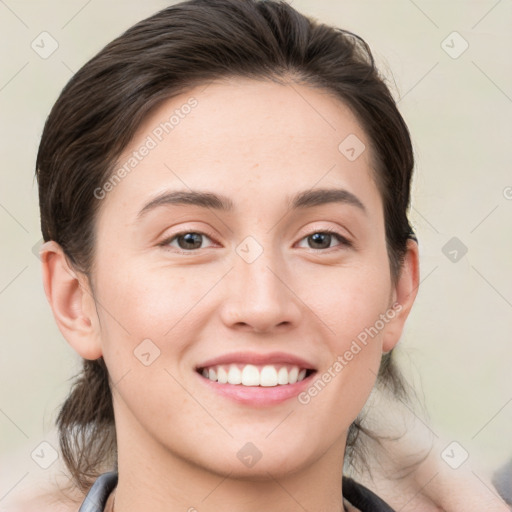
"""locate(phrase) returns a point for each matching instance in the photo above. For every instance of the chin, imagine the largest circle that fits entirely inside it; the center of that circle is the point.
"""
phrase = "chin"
(246, 461)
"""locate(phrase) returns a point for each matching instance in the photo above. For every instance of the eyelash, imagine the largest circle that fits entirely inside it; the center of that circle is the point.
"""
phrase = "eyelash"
(343, 242)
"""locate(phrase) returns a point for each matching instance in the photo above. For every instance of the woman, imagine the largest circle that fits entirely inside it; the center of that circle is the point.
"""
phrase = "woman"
(224, 193)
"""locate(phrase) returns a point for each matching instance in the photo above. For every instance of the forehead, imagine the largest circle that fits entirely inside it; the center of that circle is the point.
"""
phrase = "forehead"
(245, 137)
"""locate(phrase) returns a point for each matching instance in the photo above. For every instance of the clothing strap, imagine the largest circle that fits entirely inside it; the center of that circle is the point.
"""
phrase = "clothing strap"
(362, 498)
(100, 491)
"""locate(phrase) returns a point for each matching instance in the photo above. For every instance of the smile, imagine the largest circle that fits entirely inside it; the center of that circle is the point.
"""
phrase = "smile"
(268, 375)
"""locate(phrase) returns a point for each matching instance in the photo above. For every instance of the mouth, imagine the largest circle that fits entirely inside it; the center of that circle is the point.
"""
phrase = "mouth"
(251, 375)
(256, 380)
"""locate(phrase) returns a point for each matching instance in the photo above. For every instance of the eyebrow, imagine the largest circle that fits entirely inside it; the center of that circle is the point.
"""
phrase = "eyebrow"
(302, 200)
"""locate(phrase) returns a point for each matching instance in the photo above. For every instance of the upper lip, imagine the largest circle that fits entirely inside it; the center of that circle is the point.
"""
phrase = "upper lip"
(257, 359)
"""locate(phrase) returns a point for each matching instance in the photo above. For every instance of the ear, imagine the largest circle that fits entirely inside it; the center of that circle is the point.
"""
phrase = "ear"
(72, 302)
(403, 296)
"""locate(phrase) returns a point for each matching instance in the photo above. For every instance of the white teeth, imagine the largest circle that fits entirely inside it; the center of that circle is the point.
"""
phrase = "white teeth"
(234, 375)
(268, 376)
(252, 375)
(293, 374)
(222, 375)
(282, 376)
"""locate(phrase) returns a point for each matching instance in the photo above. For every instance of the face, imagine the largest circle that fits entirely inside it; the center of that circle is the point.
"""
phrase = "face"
(243, 245)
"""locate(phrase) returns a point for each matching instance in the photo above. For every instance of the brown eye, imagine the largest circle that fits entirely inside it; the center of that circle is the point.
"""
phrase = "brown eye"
(323, 240)
(186, 241)
(320, 240)
(189, 240)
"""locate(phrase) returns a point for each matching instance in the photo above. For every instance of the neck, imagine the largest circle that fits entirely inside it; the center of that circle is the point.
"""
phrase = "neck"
(153, 478)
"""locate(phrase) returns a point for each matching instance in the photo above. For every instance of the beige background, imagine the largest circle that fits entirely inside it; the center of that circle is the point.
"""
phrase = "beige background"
(458, 110)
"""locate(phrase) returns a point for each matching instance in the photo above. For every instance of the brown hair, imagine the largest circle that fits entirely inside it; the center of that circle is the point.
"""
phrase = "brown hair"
(185, 45)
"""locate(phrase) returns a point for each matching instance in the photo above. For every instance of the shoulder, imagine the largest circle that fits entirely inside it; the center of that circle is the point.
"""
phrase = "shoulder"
(36, 499)
(43, 503)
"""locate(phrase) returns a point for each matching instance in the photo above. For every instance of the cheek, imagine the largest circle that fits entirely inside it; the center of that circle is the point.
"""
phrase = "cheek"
(350, 301)
(139, 304)
(169, 307)
(351, 306)
(150, 298)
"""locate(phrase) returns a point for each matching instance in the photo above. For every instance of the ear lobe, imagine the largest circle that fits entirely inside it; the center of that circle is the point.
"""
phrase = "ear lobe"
(404, 294)
(70, 297)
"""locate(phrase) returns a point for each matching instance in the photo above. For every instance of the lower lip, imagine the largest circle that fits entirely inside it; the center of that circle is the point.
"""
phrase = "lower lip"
(258, 395)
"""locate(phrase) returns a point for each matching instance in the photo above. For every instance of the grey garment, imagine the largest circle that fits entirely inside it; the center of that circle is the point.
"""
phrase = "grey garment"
(502, 480)
(100, 491)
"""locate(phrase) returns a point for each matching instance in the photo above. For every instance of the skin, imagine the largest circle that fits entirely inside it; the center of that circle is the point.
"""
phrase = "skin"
(431, 485)
(178, 440)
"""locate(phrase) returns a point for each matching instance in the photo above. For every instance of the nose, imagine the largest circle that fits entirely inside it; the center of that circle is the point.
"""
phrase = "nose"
(260, 296)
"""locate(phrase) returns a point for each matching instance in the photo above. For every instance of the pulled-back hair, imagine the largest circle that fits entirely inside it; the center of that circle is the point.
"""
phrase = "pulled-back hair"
(185, 45)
